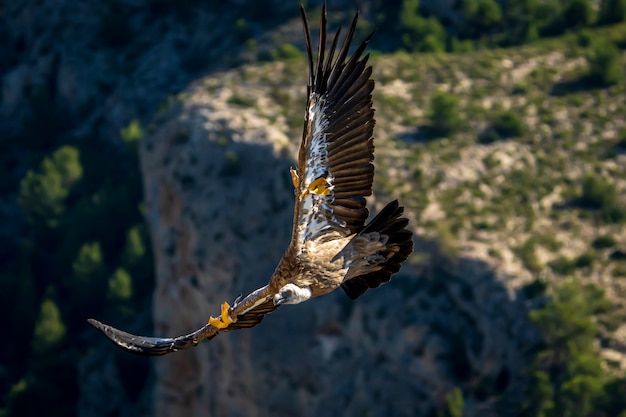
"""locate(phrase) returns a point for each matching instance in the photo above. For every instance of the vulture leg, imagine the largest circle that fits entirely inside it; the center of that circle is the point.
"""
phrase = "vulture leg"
(224, 321)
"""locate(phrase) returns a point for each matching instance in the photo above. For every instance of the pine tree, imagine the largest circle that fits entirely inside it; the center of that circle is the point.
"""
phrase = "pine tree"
(88, 282)
(419, 33)
(612, 11)
(120, 285)
(49, 329)
(567, 376)
(481, 17)
(43, 192)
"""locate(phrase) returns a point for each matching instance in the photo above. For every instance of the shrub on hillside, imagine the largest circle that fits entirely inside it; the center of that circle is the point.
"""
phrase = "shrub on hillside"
(562, 265)
(283, 52)
(509, 124)
(600, 194)
(444, 113)
(603, 242)
(505, 125)
(597, 192)
(605, 68)
(528, 254)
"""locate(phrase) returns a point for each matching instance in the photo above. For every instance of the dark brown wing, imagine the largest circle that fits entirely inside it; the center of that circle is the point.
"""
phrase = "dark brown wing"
(337, 144)
(153, 346)
(250, 312)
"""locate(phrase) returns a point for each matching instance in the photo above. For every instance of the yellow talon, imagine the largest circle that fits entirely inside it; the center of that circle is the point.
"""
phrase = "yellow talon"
(295, 179)
(320, 186)
(224, 321)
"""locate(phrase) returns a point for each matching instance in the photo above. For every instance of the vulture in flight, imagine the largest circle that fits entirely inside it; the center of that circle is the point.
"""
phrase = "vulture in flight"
(331, 245)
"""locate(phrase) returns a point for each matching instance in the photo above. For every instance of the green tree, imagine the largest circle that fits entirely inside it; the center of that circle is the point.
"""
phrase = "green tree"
(444, 113)
(612, 11)
(120, 285)
(79, 207)
(118, 307)
(582, 387)
(540, 396)
(604, 241)
(134, 248)
(287, 51)
(526, 20)
(43, 192)
(547, 16)
(49, 329)
(481, 16)
(579, 13)
(454, 404)
(136, 258)
(88, 281)
(133, 133)
(418, 33)
(597, 192)
(88, 262)
(568, 379)
(614, 401)
(508, 124)
(604, 63)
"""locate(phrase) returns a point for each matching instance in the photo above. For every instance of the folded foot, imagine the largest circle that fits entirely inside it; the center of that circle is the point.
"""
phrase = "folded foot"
(320, 186)
(224, 321)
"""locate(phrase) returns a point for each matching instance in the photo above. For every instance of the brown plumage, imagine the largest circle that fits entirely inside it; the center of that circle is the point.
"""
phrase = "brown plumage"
(331, 246)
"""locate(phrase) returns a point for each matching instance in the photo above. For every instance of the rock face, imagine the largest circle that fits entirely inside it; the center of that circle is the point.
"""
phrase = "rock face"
(219, 204)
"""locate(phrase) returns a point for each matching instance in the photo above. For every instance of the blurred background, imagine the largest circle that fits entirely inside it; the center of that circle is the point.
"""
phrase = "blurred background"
(144, 156)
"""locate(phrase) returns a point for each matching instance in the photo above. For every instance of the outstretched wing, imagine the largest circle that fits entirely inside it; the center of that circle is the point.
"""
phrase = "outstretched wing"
(335, 170)
(153, 346)
(335, 173)
(249, 312)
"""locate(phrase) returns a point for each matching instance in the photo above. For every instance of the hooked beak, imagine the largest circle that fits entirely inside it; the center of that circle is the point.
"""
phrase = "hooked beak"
(279, 299)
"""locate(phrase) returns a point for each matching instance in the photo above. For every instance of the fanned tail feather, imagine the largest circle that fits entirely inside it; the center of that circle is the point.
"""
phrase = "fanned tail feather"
(399, 246)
